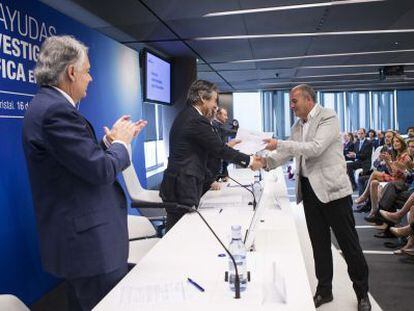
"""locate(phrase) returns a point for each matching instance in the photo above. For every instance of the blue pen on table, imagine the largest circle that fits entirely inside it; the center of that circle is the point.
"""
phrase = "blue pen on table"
(195, 285)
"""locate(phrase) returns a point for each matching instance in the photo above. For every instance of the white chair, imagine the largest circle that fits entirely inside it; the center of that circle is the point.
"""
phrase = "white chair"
(148, 202)
(356, 174)
(142, 237)
(12, 303)
(375, 155)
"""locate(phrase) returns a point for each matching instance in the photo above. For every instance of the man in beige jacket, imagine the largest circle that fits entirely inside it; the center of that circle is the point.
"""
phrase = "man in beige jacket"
(324, 187)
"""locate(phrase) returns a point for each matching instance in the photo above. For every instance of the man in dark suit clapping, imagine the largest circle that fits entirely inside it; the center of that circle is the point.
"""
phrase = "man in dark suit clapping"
(362, 155)
(80, 207)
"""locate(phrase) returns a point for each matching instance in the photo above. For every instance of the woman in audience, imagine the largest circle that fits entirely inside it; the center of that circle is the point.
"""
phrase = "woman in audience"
(406, 231)
(396, 217)
(372, 137)
(397, 166)
(348, 145)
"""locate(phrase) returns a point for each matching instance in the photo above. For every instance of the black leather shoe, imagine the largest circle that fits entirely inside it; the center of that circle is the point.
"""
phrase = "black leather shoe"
(364, 304)
(373, 219)
(319, 300)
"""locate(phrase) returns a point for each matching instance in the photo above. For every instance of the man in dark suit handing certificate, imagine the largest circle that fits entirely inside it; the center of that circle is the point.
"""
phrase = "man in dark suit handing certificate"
(192, 140)
(80, 207)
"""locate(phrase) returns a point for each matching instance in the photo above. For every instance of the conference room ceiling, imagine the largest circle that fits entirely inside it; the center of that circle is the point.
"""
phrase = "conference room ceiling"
(179, 28)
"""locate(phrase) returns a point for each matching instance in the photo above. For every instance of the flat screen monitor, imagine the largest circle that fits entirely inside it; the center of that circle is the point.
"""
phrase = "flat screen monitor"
(157, 78)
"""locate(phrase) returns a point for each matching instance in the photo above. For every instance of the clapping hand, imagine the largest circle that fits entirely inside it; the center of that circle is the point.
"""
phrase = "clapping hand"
(385, 156)
(139, 125)
(351, 155)
(124, 130)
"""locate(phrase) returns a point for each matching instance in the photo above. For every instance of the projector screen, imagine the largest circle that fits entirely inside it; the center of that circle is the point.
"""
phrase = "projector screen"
(157, 78)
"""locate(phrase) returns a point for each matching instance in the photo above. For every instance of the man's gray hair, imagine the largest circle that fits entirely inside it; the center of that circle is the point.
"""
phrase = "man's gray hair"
(199, 90)
(56, 53)
(306, 89)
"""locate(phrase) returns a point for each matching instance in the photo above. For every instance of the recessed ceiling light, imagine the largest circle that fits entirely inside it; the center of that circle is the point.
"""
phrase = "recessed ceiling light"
(256, 60)
(336, 75)
(304, 34)
(321, 81)
(354, 65)
(288, 7)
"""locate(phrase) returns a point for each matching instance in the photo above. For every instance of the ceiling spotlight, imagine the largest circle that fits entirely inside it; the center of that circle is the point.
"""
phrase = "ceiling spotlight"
(289, 7)
(304, 34)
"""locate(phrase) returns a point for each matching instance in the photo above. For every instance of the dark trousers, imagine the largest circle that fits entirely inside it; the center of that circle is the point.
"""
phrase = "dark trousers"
(394, 195)
(320, 217)
(84, 293)
(351, 167)
(363, 183)
(173, 217)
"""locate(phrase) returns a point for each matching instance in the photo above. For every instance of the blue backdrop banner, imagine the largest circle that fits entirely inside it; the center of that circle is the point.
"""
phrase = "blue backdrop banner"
(114, 91)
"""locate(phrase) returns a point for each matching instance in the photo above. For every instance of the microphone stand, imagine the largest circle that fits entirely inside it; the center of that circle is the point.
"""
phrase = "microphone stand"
(193, 209)
(237, 278)
(241, 185)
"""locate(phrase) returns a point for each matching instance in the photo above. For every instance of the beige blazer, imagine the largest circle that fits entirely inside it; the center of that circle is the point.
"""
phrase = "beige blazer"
(322, 151)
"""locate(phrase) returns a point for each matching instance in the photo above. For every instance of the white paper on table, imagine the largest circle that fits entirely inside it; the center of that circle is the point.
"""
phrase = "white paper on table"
(228, 200)
(172, 292)
(251, 141)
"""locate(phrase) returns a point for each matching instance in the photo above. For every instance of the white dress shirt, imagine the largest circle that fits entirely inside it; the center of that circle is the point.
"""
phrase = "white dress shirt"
(305, 129)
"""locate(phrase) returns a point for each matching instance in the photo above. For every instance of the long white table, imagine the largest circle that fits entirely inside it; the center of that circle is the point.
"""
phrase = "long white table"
(278, 276)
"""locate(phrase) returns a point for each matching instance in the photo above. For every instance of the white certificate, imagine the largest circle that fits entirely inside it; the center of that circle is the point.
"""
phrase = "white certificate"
(251, 141)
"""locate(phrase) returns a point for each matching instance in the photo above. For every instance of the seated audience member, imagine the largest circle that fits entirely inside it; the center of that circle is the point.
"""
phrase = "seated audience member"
(378, 164)
(394, 195)
(380, 137)
(391, 198)
(348, 145)
(355, 134)
(406, 231)
(362, 156)
(396, 218)
(410, 146)
(410, 133)
(396, 170)
(372, 136)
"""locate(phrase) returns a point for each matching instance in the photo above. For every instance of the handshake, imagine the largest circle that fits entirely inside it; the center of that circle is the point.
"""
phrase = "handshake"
(258, 163)
(124, 129)
(261, 162)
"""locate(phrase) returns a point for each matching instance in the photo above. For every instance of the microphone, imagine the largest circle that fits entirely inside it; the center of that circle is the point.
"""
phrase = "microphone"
(246, 187)
(237, 278)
